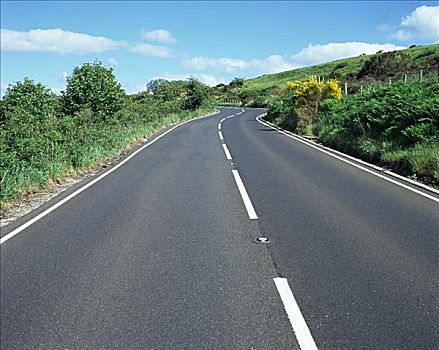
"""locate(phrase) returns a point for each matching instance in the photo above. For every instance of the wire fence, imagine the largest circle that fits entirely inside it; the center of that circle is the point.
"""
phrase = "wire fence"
(365, 84)
(368, 84)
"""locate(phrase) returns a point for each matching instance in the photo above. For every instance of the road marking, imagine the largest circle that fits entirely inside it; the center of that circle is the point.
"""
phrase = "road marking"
(301, 330)
(222, 120)
(349, 162)
(219, 126)
(226, 151)
(247, 202)
(220, 134)
(91, 183)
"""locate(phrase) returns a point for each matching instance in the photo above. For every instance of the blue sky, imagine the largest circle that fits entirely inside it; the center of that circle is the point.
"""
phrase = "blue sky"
(213, 41)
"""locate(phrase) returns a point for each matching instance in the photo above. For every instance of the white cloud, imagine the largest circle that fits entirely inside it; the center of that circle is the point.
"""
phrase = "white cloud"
(312, 54)
(152, 50)
(422, 23)
(159, 35)
(130, 90)
(57, 89)
(4, 86)
(56, 40)
(228, 65)
(273, 64)
(113, 62)
(63, 77)
(207, 79)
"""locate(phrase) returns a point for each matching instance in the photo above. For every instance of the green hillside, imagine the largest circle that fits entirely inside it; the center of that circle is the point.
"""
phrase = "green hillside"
(420, 57)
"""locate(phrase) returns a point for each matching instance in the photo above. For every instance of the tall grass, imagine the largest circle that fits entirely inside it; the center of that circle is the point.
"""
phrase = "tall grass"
(396, 126)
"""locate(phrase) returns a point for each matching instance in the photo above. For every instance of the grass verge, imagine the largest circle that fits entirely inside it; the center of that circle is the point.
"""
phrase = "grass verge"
(80, 149)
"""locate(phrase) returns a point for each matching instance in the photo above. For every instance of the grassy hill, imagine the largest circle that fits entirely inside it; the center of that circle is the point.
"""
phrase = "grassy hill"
(347, 69)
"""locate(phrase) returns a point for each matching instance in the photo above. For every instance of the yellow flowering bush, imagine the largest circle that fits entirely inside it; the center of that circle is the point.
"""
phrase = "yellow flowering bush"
(307, 95)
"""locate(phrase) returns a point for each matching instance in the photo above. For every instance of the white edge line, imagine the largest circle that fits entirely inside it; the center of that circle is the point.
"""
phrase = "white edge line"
(351, 163)
(91, 183)
(246, 199)
(301, 330)
(220, 134)
(226, 151)
(376, 167)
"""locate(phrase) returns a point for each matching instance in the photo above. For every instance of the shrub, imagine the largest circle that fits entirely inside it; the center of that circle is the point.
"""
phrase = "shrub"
(95, 87)
(27, 102)
(395, 125)
(196, 94)
(237, 83)
(307, 96)
(385, 64)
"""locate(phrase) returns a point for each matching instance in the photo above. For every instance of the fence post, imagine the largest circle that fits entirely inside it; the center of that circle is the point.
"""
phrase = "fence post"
(405, 78)
(390, 81)
(420, 74)
(345, 88)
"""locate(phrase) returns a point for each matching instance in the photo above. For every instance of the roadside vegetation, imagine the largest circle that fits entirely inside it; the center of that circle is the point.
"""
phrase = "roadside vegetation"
(44, 137)
(395, 126)
(389, 116)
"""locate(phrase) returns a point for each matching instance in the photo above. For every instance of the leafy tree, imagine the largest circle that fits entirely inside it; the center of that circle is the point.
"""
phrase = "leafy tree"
(26, 102)
(169, 91)
(27, 124)
(154, 85)
(196, 94)
(93, 86)
(237, 83)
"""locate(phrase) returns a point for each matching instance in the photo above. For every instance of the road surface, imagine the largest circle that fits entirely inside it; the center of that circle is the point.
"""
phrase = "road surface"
(161, 252)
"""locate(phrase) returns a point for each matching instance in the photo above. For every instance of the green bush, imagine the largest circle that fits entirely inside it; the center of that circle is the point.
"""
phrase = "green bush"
(280, 112)
(95, 87)
(196, 94)
(393, 125)
(385, 64)
(27, 99)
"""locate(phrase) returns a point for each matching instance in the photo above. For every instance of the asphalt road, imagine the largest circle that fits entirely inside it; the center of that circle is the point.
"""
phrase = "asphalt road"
(160, 254)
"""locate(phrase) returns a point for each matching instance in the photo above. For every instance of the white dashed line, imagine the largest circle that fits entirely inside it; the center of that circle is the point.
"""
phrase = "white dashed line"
(219, 126)
(301, 330)
(226, 151)
(220, 134)
(247, 202)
